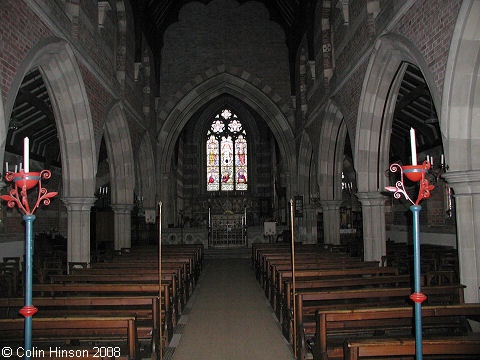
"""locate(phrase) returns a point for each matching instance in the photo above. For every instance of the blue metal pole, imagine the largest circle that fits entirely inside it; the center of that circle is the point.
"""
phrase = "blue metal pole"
(417, 273)
(28, 282)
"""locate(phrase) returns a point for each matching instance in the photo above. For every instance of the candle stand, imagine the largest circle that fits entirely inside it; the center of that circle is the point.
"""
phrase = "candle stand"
(25, 181)
(415, 173)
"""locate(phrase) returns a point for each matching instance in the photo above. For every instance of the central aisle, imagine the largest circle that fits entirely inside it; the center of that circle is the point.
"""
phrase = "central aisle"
(230, 318)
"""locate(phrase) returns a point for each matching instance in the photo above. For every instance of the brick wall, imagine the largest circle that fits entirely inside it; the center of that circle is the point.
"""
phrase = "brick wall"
(224, 32)
(20, 30)
(429, 25)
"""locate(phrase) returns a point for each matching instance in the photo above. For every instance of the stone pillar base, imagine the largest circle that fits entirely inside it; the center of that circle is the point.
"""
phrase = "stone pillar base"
(78, 238)
(374, 232)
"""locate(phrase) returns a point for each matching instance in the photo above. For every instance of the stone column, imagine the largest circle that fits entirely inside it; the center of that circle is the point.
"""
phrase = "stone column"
(374, 232)
(78, 229)
(331, 221)
(466, 186)
(122, 221)
(310, 221)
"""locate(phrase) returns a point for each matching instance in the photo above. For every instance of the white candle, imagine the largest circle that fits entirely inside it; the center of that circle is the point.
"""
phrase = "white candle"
(26, 154)
(6, 166)
(428, 158)
(16, 168)
(20, 166)
(441, 159)
(431, 160)
(413, 146)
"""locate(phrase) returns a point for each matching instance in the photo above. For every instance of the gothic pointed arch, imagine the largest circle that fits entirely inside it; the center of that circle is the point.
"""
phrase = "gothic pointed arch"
(460, 124)
(146, 169)
(460, 111)
(330, 153)
(56, 62)
(377, 104)
(225, 83)
(120, 153)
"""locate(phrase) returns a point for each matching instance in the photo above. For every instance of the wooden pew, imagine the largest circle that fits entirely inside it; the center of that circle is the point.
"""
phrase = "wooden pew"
(464, 347)
(281, 272)
(86, 277)
(94, 289)
(144, 308)
(334, 326)
(308, 303)
(81, 328)
(284, 278)
(344, 283)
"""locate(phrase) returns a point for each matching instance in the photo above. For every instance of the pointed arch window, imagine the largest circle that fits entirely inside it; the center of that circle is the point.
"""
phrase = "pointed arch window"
(226, 153)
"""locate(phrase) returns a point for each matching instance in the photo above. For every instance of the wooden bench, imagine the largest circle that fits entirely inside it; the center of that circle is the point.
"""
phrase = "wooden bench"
(334, 326)
(455, 347)
(144, 308)
(73, 328)
(281, 273)
(93, 289)
(284, 278)
(307, 304)
(350, 282)
(85, 277)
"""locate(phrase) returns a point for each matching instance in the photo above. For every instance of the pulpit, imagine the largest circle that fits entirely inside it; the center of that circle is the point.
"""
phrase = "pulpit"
(228, 231)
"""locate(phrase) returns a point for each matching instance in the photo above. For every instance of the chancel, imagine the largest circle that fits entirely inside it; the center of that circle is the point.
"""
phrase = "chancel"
(232, 179)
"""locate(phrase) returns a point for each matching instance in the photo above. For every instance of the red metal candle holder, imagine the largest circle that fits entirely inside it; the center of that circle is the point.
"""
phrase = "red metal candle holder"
(24, 182)
(415, 173)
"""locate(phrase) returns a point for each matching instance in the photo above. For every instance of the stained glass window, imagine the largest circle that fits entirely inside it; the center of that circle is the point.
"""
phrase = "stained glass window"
(226, 147)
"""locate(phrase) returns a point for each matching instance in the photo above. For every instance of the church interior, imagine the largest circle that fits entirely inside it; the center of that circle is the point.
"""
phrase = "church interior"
(224, 179)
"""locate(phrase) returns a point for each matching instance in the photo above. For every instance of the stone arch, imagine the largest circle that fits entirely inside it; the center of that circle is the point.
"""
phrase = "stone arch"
(377, 103)
(460, 111)
(122, 175)
(330, 153)
(146, 165)
(120, 155)
(305, 154)
(56, 62)
(261, 100)
(460, 127)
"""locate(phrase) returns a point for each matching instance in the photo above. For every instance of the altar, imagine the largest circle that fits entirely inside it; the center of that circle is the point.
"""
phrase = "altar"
(227, 231)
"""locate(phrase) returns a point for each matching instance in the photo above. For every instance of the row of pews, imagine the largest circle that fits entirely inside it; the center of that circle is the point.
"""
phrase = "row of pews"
(346, 308)
(116, 309)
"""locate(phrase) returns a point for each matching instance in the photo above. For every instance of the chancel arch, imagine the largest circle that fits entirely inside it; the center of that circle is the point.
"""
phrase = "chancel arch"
(224, 83)
(55, 60)
(120, 153)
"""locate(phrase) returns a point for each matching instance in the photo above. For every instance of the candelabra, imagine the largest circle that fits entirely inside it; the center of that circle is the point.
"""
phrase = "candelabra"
(25, 181)
(416, 173)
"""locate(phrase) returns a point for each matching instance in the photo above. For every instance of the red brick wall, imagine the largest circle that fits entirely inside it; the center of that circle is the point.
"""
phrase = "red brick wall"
(429, 25)
(20, 30)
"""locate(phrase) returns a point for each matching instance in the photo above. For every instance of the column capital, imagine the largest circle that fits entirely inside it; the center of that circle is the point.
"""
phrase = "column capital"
(122, 208)
(331, 204)
(79, 203)
(371, 198)
(464, 182)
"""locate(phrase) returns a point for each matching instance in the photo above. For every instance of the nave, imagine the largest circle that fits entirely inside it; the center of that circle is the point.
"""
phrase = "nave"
(229, 318)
